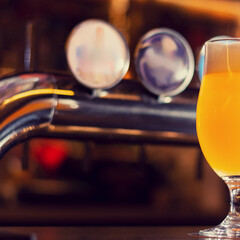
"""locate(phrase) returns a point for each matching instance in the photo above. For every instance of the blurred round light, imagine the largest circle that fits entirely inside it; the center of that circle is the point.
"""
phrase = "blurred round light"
(97, 54)
(164, 62)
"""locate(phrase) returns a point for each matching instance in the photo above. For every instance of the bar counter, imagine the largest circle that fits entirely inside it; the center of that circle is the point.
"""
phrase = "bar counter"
(94, 233)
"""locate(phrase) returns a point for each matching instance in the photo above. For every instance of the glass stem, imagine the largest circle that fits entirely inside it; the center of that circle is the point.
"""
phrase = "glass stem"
(230, 226)
(233, 184)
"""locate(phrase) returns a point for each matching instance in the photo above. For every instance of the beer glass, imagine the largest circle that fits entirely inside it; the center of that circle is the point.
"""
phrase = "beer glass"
(218, 124)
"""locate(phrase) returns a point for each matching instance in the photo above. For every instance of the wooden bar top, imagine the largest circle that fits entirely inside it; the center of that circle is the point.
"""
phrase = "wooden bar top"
(100, 233)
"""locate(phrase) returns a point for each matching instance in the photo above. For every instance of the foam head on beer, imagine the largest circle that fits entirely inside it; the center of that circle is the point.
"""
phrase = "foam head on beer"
(222, 56)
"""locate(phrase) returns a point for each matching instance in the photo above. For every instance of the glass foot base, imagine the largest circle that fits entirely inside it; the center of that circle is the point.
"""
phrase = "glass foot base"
(230, 227)
(227, 229)
(220, 232)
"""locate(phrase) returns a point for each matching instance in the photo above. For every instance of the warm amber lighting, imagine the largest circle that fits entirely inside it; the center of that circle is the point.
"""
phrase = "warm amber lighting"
(218, 8)
(170, 136)
(121, 96)
(38, 92)
(118, 16)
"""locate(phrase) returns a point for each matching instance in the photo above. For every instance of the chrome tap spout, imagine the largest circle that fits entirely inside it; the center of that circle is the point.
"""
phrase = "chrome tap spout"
(52, 105)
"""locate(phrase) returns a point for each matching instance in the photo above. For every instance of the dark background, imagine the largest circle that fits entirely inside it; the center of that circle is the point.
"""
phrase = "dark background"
(94, 183)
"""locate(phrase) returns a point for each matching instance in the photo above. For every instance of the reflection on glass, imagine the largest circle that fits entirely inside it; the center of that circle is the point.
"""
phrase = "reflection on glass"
(200, 60)
(218, 118)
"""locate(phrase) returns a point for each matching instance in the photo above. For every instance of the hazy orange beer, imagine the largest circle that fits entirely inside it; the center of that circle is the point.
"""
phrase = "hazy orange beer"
(218, 125)
(218, 121)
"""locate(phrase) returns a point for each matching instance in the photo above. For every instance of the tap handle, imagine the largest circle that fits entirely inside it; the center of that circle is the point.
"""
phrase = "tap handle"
(97, 54)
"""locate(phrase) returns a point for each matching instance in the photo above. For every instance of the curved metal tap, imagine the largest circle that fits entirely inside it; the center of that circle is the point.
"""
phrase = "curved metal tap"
(52, 105)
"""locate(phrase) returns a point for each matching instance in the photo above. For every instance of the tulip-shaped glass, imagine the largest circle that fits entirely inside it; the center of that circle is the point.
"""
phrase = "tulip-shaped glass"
(218, 124)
